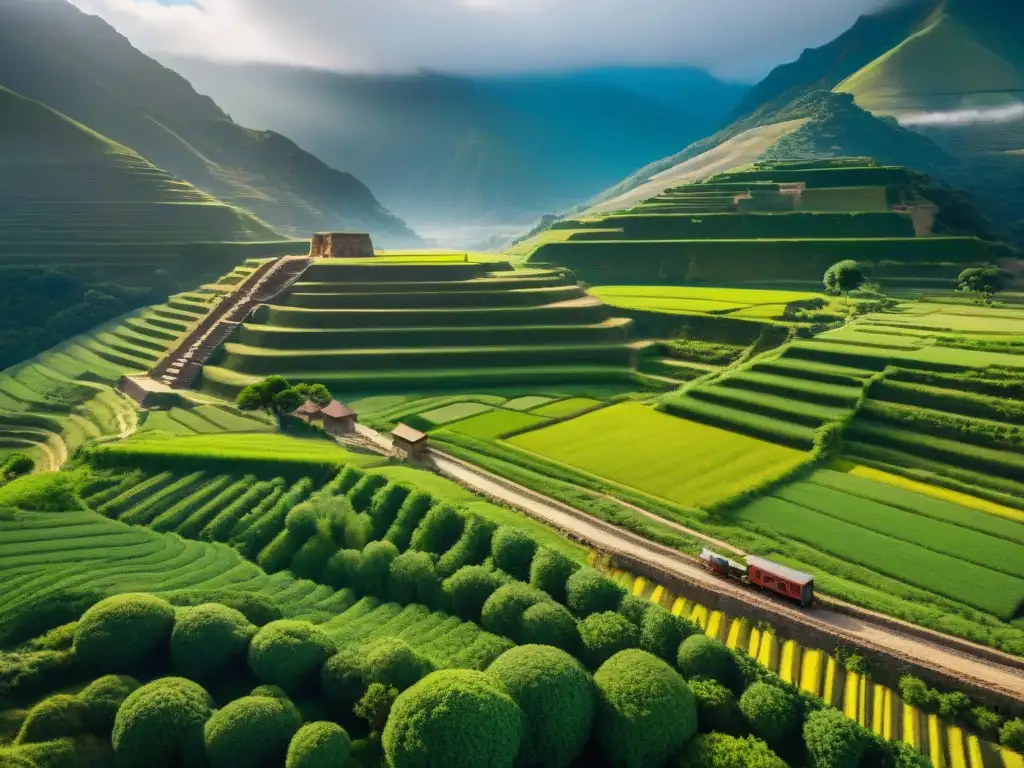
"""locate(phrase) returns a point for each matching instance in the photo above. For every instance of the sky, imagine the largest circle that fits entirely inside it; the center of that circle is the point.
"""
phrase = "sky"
(735, 39)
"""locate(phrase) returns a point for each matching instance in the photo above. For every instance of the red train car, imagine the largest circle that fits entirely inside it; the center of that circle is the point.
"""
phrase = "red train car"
(788, 582)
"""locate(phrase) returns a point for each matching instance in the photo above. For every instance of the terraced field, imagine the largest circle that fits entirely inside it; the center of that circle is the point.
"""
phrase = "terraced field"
(359, 326)
(734, 302)
(875, 706)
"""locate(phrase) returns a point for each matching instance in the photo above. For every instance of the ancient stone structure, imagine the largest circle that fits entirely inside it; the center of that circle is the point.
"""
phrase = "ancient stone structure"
(341, 245)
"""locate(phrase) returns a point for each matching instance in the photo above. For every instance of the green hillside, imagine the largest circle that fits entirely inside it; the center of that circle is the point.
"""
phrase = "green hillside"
(379, 326)
(77, 64)
(738, 227)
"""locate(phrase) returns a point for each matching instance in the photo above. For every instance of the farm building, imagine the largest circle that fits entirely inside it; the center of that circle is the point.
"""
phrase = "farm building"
(341, 245)
(409, 441)
(308, 411)
(338, 419)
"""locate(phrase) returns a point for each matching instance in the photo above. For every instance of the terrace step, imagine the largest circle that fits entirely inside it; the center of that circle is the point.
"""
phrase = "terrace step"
(788, 387)
(814, 370)
(772, 406)
(763, 427)
(552, 278)
(524, 297)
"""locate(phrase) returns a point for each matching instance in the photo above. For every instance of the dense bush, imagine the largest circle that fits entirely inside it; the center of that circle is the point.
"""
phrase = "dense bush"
(558, 698)
(125, 633)
(503, 612)
(409, 516)
(513, 551)
(453, 719)
(342, 680)
(719, 750)
(375, 706)
(374, 566)
(210, 641)
(717, 709)
(439, 530)
(661, 633)
(833, 740)
(361, 495)
(468, 589)
(387, 501)
(302, 520)
(1012, 734)
(102, 698)
(412, 578)
(289, 653)
(587, 592)
(549, 623)
(634, 608)
(549, 570)
(319, 745)
(258, 609)
(773, 714)
(602, 635)
(309, 561)
(391, 661)
(646, 713)
(472, 547)
(160, 725)
(33, 674)
(703, 656)
(58, 717)
(251, 732)
(343, 569)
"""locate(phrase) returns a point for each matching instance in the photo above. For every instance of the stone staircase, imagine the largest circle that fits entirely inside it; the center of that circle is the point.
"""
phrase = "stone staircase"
(180, 367)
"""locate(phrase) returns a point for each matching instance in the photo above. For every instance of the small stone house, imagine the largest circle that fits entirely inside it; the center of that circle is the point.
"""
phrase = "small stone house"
(308, 412)
(338, 419)
(409, 441)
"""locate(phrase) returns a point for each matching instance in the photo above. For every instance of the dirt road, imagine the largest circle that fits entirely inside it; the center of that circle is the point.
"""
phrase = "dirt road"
(859, 631)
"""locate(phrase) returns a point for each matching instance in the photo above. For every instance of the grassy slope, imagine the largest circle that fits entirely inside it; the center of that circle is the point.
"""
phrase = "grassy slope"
(64, 184)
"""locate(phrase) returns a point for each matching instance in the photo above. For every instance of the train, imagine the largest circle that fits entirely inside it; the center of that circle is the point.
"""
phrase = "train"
(786, 582)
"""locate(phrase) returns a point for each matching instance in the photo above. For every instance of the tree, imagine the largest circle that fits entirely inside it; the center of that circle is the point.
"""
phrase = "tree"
(844, 276)
(318, 393)
(983, 282)
(286, 401)
(1011, 735)
(376, 704)
(276, 396)
(17, 464)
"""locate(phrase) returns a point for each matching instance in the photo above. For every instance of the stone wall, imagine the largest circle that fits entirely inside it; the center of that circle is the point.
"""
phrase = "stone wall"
(341, 245)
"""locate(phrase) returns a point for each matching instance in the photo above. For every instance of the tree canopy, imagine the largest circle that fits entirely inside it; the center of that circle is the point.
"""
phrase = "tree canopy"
(844, 276)
(983, 282)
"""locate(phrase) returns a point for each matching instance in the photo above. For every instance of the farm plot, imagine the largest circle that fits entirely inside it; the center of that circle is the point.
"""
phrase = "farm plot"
(565, 408)
(684, 299)
(497, 423)
(454, 412)
(679, 460)
(815, 521)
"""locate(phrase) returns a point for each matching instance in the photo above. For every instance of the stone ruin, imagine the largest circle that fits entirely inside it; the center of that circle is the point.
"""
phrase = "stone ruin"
(341, 245)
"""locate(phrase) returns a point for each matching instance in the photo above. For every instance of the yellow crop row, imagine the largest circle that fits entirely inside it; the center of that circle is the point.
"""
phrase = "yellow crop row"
(872, 705)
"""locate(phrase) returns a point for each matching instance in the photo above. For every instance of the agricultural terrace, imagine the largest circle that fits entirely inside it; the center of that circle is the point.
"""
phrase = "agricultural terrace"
(384, 325)
(684, 462)
(859, 695)
(744, 227)
(734, 302)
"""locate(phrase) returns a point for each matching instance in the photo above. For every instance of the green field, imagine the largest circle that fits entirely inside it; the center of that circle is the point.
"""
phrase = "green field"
(675, 459)
(454, 412)
(566, 408)
(742, 302)
(497, 423)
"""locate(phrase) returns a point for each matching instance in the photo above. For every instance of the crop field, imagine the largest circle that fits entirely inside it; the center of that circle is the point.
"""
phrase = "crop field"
(961, 553)
(497, 423)
(746, 302)
(204, 419)
(688, 463)
(454, 412)
(566, 408)
(526, 403)
(875, 706)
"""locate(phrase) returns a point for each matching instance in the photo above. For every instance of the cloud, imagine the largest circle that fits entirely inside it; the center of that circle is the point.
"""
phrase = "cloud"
(969, 116)
(738, 39)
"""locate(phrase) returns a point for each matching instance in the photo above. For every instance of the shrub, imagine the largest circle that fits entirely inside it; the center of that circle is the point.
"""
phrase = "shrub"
(1011, 735)
(289, 653)
(102, 698)
(439, 530)
(346, 481)
(633, 609)
(412, 578)
(58, 717)
(703, 656)
(587, 592)
(549, 623)
(125, 633)
(376, 704)
(661, 633)
(409, 516)
(210, 641)
(362, 493)
(773, 713)
(471, 548)
(374, 566)
(917, 694)
(503, 612)
(716, 708)
(341, 681)
(302, 520)
(258, 609)
(719, 750)
(387, 501)
(468, 589)
(453, 719)
(549, 570)
(47, 492)
(309, 561)
(602, 635)
(513, 551)
(954, 704)
(34, 674)
(160, 725)
(343, 569)
(557, 696)
(271, 691)
(645, 714)
(319, 745)
(833, 740)
(250, 732)
(392, 662)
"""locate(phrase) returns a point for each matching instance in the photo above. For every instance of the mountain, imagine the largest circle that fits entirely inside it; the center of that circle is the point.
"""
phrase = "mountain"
(937, 85)
(501, 148)
(80, 66)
